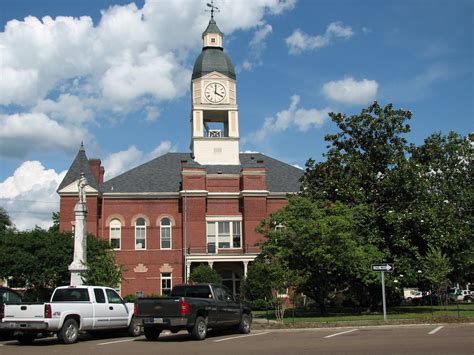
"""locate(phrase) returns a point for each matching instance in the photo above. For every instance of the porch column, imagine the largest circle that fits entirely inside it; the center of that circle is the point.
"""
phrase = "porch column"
(210, 263)
(246, 264)
(188, 269)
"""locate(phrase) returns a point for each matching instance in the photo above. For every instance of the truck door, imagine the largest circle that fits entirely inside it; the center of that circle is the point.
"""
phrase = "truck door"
(232, 307)
(118, 312)
(101, 319)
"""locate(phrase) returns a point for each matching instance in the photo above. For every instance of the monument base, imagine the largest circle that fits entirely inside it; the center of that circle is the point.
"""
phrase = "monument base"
(77, 272)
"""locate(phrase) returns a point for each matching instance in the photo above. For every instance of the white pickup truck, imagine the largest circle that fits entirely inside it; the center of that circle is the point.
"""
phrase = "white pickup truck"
(72, 309)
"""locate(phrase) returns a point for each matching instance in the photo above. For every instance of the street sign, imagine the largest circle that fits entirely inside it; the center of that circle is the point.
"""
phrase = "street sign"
(383, 267)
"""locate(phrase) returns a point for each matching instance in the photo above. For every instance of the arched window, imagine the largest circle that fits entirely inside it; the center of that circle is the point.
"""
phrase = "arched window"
(115, 233)
(165, 233)
(140, 234)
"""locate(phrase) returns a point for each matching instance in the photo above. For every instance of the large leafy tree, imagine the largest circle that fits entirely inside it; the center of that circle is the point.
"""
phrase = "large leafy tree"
(39, 260)
(416, 196)
(322, 243)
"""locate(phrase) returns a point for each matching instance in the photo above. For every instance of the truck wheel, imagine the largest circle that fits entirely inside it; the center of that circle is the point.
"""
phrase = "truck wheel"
(27, 338)
(245, 322)
(151, 333)
(69, 332)
(134, 329)
(199, 331)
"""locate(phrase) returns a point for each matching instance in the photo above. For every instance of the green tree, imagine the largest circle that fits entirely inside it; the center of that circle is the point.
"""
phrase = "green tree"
(5, 221)
(102, 267)
(266, 280)
(436, 270)
(39, 260)
(322, 244)
(204, 274)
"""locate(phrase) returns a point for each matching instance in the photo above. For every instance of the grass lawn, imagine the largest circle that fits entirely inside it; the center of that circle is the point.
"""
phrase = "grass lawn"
(418, 313)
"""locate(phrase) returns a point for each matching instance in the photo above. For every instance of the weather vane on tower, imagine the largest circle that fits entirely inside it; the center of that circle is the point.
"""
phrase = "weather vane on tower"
(213, 8)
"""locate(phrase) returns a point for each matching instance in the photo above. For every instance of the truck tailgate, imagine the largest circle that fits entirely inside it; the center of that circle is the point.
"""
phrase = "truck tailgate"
(24, 311)
(158, 307)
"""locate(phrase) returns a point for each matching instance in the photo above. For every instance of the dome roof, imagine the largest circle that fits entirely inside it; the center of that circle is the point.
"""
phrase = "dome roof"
(213, 59)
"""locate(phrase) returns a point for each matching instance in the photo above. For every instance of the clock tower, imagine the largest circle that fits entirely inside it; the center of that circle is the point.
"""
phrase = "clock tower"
(214, 114)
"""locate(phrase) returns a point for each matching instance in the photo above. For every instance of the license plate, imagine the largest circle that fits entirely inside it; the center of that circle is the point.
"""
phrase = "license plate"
(158, 320)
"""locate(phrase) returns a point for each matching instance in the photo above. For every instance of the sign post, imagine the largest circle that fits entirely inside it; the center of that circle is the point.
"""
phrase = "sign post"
(383, 268)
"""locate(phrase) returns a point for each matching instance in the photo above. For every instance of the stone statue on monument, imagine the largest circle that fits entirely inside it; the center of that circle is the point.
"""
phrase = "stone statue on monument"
(82, 188)
(78, 266)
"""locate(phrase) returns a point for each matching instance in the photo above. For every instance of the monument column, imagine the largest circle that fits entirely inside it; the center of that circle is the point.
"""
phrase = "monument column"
(78, 265)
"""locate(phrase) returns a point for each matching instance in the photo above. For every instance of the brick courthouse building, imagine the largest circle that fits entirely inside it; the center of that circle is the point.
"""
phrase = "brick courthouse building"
(209, 200)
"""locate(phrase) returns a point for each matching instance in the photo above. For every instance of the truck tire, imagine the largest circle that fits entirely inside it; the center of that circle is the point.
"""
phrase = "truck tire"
(199, 331)
(69, 332)
(27, 338)
(134, 329)
(244, 326)
(151, 333)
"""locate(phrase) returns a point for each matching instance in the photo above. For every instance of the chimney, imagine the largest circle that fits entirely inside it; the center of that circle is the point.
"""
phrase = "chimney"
(94, 164)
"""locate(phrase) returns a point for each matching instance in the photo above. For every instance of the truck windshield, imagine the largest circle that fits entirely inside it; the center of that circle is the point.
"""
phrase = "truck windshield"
(71, 295)
(191, 291)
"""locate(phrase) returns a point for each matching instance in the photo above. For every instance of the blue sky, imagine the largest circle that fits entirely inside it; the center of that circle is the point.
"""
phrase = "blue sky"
(116, 75)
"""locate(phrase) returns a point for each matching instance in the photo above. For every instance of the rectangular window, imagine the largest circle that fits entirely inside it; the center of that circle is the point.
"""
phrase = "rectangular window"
(99, 295)
(211, 237)
(115, 237)
(236, 235)
(140, 236)
(165, 238)
(224, 234)
(166, 283)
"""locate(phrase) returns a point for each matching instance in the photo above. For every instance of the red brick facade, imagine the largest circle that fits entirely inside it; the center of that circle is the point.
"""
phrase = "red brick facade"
(203, 195)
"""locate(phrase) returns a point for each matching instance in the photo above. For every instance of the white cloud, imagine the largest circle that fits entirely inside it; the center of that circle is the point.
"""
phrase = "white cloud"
(163, 148)
(70, 69)
(29, 195)
(350, 91)
(68, 108)
(257, 46)
(21, 133)
(117, 163)
(117, 57)
(300, 118)
(299, 41)
(152, 113)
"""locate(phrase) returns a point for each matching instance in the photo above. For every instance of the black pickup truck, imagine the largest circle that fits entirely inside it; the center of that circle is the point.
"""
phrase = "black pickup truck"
(195, 308)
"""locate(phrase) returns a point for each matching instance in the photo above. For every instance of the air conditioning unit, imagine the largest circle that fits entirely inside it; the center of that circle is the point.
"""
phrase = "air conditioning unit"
(215, 133)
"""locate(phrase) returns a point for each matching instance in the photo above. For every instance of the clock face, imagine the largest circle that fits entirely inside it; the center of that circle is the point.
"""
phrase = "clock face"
(215, 92)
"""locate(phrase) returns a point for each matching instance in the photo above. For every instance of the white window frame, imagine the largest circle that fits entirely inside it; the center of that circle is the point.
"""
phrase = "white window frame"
(168, 227)
(115, 225)
(166, 278)
(137, 227)
(216, 220)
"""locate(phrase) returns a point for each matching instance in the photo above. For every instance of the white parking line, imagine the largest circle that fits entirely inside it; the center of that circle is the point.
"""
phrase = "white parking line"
(347, 331)
(240, 336)
(117, 341)
(434, 331)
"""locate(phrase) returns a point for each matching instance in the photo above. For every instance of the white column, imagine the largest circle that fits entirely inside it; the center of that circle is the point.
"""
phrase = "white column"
(246, 264)
(210, 263)
(78, 265)
(188, 269)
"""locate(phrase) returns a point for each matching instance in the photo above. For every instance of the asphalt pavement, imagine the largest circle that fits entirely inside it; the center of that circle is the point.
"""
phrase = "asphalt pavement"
(407, 339)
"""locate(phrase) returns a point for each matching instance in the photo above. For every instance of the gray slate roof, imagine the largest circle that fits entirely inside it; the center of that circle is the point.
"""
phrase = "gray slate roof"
(212, 28)
(78, 166)
(213, 59)
(163, 174)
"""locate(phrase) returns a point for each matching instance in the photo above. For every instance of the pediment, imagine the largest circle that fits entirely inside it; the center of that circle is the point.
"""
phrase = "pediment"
(215, 75)
(73, 188)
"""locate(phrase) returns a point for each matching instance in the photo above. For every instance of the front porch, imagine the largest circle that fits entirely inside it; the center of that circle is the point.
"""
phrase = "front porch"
(231, 264)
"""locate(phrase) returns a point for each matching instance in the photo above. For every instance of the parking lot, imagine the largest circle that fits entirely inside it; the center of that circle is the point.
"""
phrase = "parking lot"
(412, 339)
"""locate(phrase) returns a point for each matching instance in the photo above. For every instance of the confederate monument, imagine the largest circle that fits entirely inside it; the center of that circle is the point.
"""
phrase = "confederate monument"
(78, 267)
